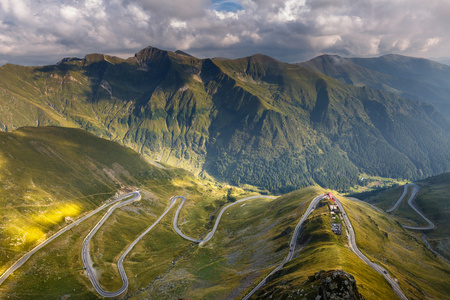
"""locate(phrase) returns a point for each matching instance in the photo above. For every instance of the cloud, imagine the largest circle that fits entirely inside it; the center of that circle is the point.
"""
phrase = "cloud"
(42, 32)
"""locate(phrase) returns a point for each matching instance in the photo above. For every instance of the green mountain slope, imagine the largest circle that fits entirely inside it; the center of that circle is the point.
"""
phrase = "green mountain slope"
(420, 273)
(431, 200)
(250, 120)
(413, 78)
(51, 175)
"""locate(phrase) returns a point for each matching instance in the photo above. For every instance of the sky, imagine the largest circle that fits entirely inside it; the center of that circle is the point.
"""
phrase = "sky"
(39, 32)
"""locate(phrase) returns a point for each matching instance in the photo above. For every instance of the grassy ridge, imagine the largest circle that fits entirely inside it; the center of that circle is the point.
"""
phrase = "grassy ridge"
(406, 257)
(323, 250)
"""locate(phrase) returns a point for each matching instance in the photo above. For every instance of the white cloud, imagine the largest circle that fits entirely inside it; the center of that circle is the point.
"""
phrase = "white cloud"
(138, 15)
(290, 30)
(177, 24)
(430, 43)
(325, 42)
(70, 13)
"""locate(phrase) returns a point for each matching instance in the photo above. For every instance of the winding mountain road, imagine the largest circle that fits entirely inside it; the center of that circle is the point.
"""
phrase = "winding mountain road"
(87, 262)
(355, 249)
(27, 255)
(396, 204)
(86, 256)
(292, 244)
(211, 233)
(410, 200)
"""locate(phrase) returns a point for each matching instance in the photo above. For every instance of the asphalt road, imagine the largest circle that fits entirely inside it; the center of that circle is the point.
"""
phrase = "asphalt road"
(86, 258)
(27, 255)
(211, 233)
(290, 254)
(87, 262)
(355, 249)
(405, 191)
(410, 200)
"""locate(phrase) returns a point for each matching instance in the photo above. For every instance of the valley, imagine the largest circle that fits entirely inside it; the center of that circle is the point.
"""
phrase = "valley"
(141, 247)
(166, 176)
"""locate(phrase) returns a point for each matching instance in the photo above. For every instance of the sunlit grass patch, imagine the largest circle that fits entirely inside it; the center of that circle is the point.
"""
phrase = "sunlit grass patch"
(23, 233)
(58, 214)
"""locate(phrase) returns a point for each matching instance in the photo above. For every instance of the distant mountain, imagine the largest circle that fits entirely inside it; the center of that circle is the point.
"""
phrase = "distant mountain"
(251, 120)
(414, 78)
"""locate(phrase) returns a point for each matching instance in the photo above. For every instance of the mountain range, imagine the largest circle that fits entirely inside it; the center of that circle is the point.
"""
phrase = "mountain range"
(252, 120)
(413, 78)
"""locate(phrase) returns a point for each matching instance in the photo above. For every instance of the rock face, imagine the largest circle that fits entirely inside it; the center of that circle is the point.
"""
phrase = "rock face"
(334, 284)
(324, 285)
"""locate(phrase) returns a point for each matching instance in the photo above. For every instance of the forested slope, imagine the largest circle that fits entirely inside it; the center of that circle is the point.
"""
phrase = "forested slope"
(251, 120)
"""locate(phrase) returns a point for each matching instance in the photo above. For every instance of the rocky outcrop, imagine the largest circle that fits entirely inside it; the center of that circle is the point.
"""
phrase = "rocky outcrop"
(334, 284)
(324, 285)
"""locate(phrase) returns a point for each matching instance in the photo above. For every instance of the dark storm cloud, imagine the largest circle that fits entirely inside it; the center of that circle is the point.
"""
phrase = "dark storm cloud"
(38, 32)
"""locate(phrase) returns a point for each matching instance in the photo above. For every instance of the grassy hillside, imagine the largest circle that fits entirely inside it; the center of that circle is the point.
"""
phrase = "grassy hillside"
(431, 200)
(421, 274)
(52, 175)
(58, 173)
(434, 202)
(251, 120)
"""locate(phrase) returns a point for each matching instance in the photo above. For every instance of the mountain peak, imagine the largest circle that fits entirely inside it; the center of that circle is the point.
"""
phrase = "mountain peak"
(150, 54)
(183, 53)
(68, 59)
(262, 58)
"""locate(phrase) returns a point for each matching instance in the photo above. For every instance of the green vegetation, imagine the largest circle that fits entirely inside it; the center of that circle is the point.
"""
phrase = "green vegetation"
(252, 237)
(51, 176)
(372, 185)
(252, 120)
(323, 250)
(413, 78)
(432, 200)
(247, 121)
(420, 272)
